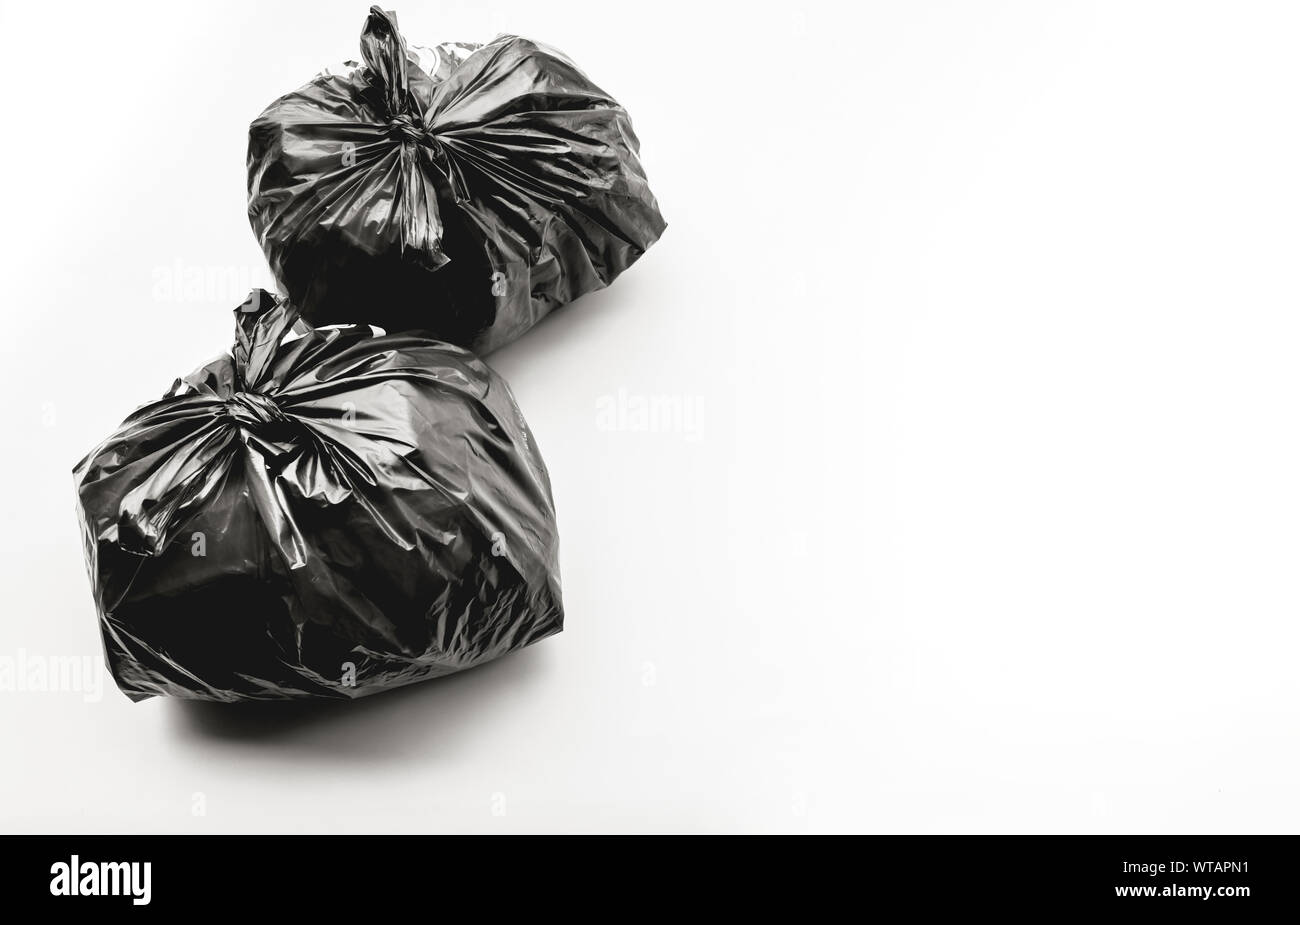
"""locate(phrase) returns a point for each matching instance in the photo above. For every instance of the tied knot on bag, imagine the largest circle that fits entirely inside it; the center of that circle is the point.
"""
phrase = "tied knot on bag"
(408, 128)
(255, 411)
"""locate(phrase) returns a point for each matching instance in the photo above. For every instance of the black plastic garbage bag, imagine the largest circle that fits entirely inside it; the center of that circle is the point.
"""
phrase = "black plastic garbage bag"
(326, 516)
(464, 190)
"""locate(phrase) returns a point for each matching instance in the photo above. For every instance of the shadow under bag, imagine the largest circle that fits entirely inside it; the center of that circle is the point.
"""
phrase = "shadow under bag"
(325, 516)
(465, 190)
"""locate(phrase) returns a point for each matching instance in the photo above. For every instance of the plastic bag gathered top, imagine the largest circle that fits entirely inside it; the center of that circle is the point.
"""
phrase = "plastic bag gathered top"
(466, 190)
(325, 516)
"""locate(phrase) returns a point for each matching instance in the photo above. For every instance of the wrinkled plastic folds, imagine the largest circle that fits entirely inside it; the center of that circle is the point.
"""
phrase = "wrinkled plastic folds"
(465, 190)
(323, 513)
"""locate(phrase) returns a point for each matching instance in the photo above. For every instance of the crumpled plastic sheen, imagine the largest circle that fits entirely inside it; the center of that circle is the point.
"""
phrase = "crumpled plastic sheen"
(464, 190)
(324, 513)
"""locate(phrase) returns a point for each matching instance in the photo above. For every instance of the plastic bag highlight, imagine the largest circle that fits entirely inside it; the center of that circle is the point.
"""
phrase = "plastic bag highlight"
(464, 190)
(320, 517)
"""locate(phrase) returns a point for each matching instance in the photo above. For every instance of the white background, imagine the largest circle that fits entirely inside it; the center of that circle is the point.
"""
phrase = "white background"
(992, 516)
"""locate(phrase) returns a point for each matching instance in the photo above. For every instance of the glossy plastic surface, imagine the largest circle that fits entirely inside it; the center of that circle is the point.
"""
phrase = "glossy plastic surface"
(320, 514)
(466, 191)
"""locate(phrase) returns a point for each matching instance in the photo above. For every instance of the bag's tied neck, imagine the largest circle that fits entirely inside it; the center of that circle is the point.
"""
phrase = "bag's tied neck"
(255, 411)
(407, 127)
